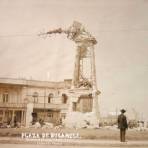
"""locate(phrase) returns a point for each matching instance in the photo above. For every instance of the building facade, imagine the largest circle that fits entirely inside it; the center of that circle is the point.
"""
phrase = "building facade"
(46, 101)
(28, 101)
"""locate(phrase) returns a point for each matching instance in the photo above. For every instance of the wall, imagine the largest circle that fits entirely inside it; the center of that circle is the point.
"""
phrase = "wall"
(14, 93)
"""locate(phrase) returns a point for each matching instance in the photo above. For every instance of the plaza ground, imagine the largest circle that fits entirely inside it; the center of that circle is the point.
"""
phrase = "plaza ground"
(100, 134)
(79, 144)
(47, 146)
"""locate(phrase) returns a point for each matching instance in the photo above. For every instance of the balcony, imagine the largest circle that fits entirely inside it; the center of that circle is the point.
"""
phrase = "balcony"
(12, 105)
(50, 106)
(36, 105)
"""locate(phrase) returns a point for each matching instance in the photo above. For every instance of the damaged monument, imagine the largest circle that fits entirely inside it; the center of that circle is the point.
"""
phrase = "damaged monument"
(83, 109)
(71, 103)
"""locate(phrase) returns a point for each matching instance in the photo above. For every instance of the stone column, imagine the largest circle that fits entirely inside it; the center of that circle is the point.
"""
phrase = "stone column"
(76, 68)
(12, 115)
(95, 106)
(22, 117)
(25, 117)
(3, 116)
(29, 114)
(12, 120)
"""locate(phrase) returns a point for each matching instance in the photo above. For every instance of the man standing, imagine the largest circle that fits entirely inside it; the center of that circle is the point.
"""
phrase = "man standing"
(122, 125)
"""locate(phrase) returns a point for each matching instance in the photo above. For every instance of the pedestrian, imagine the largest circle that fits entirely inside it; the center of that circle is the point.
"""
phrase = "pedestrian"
(122, 125)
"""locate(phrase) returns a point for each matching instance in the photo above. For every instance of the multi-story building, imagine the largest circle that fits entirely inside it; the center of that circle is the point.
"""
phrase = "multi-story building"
(26, 101)
(47, 100)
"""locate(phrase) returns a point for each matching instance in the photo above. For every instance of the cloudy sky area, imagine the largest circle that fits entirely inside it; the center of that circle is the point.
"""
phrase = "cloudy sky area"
(120, 27)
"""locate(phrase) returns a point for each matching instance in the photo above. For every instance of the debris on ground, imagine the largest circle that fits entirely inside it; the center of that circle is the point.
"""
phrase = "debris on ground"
(36, 125)
(47, 125)
(81, 120)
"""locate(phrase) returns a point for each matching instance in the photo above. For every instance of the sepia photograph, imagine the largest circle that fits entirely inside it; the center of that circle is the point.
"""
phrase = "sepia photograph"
(73, 73)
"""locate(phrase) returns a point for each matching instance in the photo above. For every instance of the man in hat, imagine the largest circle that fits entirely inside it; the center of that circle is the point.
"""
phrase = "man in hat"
(122, 125)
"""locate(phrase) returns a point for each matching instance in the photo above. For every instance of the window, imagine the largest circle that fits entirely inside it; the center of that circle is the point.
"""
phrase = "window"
(50, 96)
(50, 115)
(74, 106)
(64, 98)
(5, 97)
(49, 99)
(35, 96)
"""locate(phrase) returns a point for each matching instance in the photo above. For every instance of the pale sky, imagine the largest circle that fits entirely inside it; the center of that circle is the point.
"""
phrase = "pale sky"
(120, 27)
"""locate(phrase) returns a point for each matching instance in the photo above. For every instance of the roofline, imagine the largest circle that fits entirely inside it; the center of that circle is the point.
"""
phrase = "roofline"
(33, 83)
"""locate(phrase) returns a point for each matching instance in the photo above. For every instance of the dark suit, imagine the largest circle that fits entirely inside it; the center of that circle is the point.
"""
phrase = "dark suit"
(122, 125)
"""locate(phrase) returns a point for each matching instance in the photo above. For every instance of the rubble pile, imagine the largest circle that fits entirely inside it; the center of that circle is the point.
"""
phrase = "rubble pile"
(81, 120)
(47, 125)
(36, 125)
